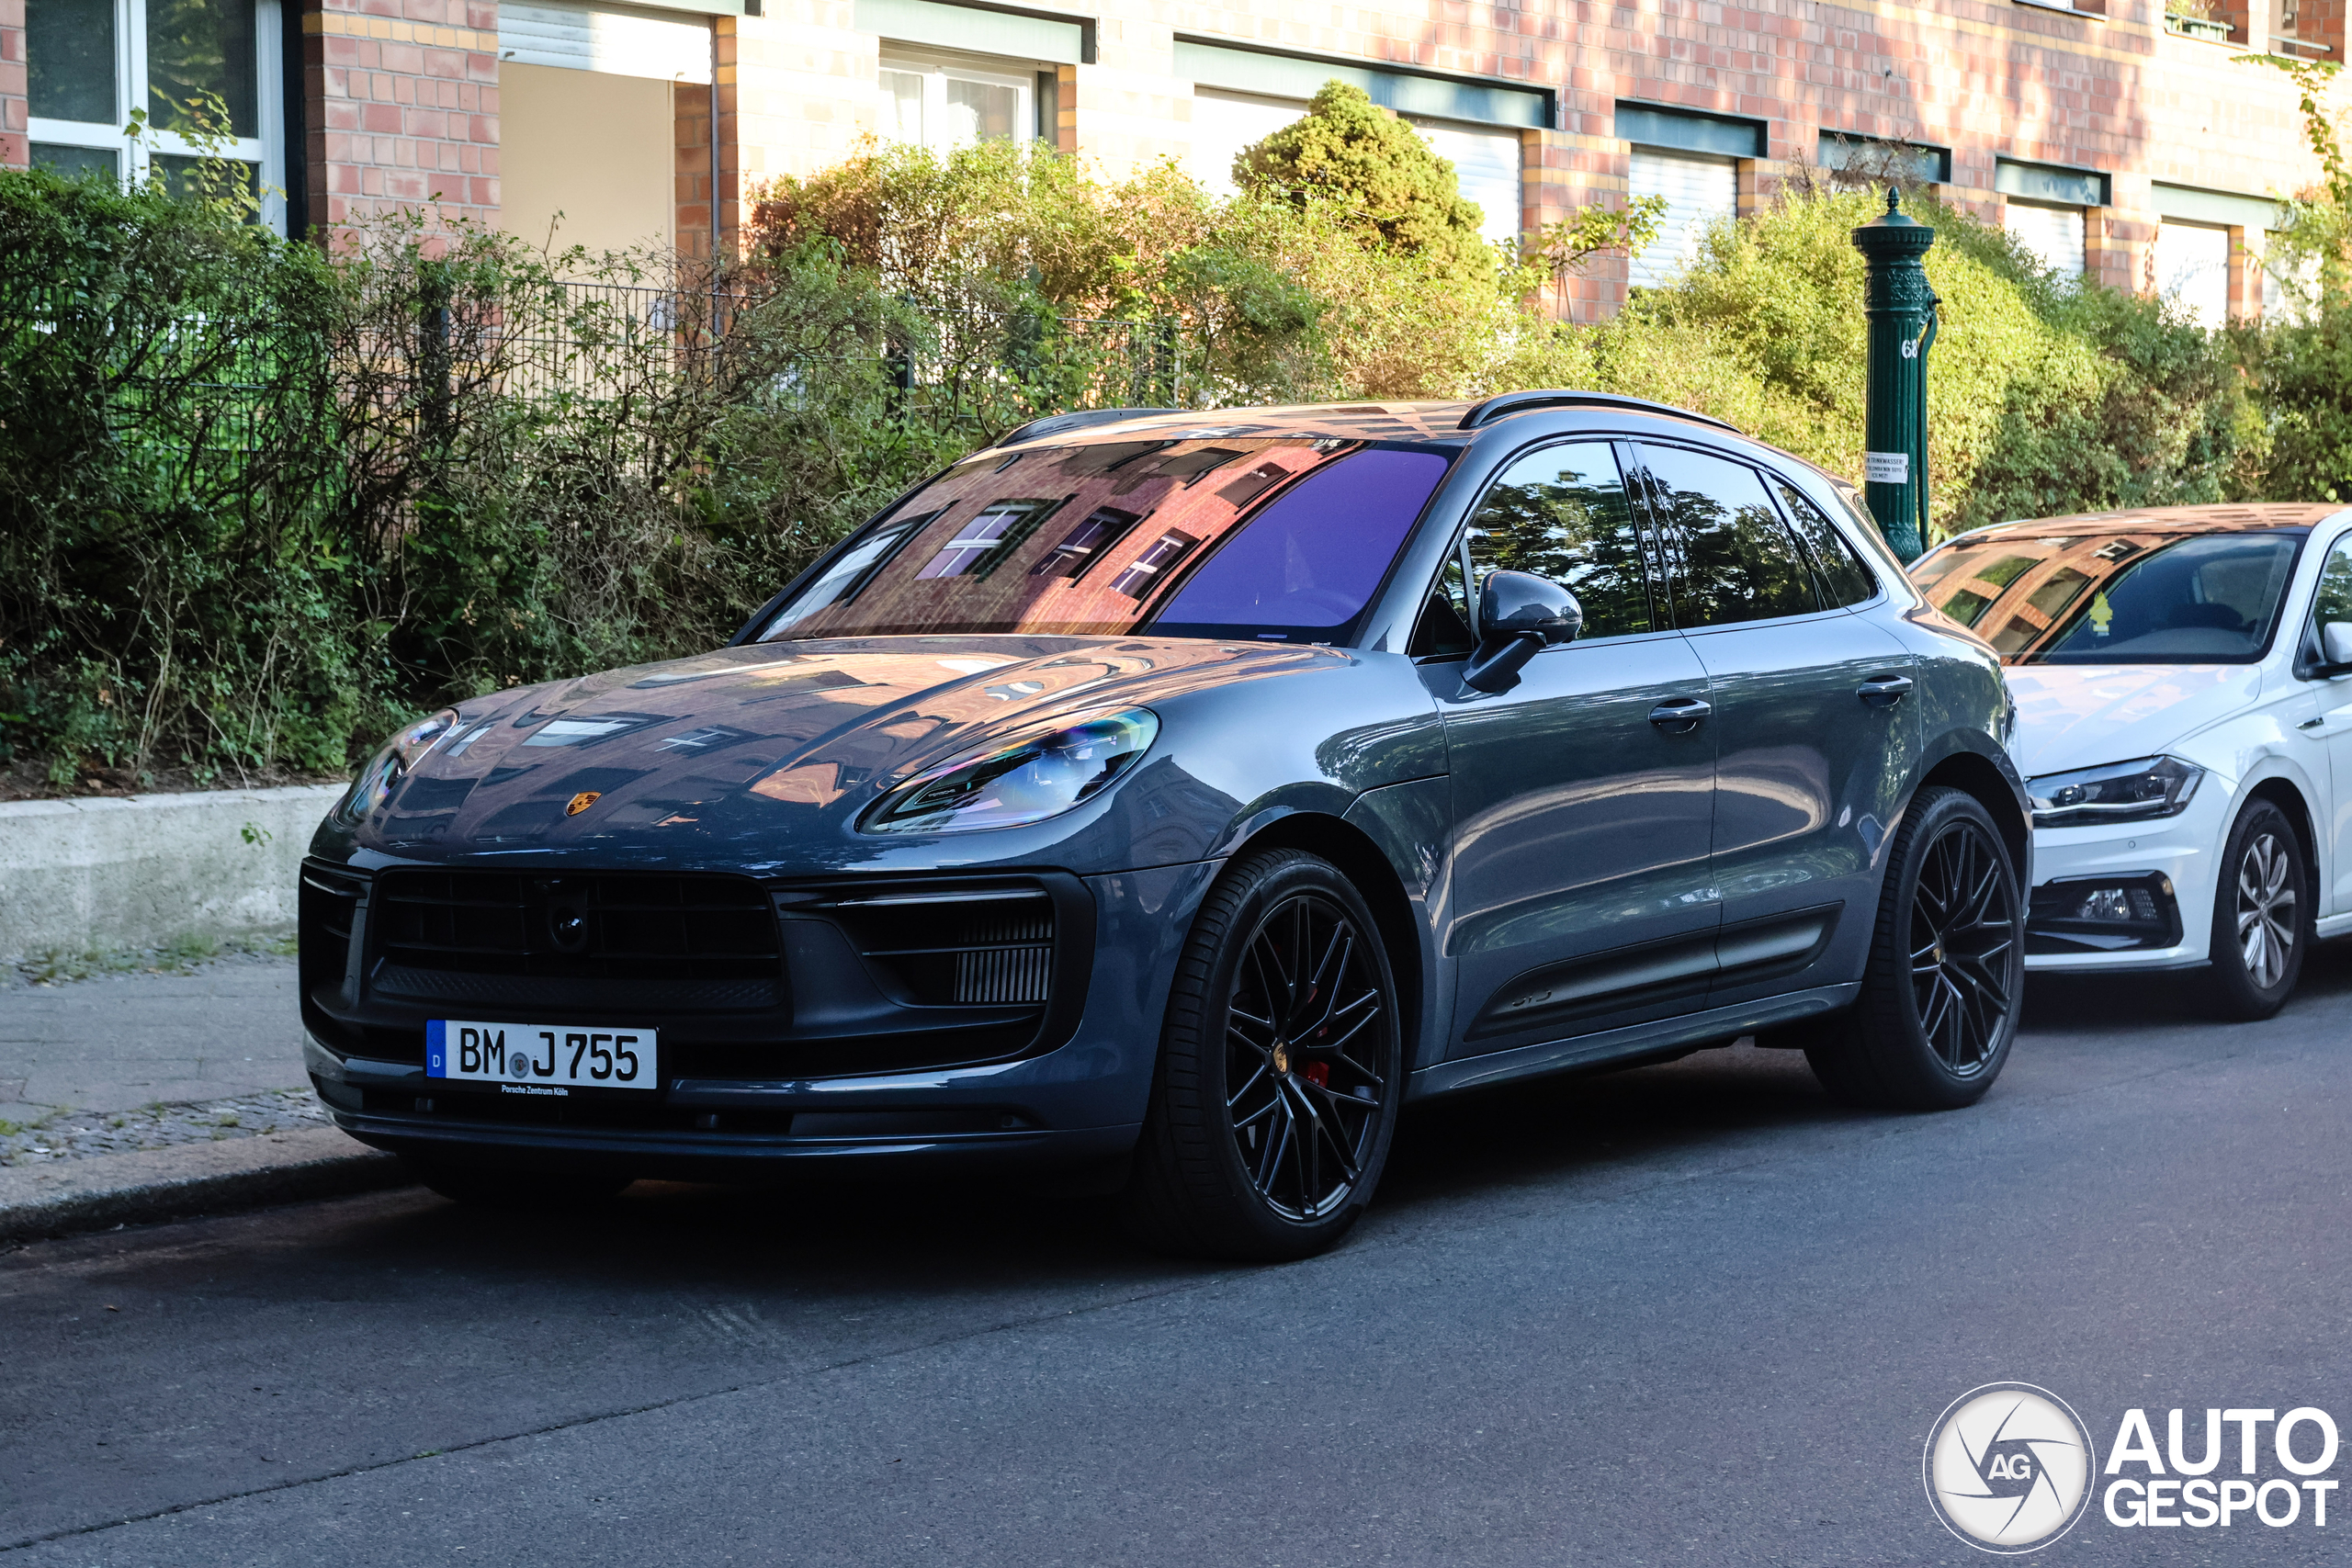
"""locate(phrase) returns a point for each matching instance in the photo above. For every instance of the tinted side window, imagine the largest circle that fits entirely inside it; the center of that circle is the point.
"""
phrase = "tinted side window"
(1445, 626)
(1731, 557)
(1844, 579)
(2332, 601)
(1561, 513)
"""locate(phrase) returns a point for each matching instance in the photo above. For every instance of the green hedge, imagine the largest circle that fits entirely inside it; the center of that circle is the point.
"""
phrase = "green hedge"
(257, 504)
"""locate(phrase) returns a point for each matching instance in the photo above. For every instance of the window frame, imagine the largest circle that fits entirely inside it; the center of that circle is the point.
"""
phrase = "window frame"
(1668, 570)
(135, 155)
(938, 70)
(2310, 655)
(1458, 551)
(1775, 484)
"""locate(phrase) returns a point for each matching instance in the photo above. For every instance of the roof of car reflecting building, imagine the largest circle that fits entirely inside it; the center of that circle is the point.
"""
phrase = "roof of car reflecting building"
(2214, 519)
(1414, 422)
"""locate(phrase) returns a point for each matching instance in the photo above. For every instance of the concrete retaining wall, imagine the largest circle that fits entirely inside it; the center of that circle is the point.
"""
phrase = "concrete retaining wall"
(148, 869)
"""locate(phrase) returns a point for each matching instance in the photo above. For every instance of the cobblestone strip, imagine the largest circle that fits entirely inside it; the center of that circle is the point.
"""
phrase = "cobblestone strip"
(54, 1135)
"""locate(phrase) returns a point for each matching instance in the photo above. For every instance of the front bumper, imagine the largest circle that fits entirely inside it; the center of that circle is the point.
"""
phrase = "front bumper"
(2170, 859)
(1080, 1102)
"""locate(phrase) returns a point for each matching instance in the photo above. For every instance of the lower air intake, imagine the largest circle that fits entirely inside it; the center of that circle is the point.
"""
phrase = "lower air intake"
(991, 948)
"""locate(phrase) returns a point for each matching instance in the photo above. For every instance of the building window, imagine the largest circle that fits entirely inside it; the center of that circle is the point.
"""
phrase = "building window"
(2052, 235)
(1699, 193)
(2047, 208)
(2192, 264)
(1486, 162)
(1692, 162)
(945, 107)
(91, 62)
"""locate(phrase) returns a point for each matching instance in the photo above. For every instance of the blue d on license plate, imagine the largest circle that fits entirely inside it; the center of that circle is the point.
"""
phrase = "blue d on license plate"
(541, 1058)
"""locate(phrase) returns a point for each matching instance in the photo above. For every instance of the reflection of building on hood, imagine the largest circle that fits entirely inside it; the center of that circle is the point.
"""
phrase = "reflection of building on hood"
(665, 745)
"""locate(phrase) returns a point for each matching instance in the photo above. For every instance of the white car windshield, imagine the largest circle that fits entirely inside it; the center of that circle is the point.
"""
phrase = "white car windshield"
(2141, 596)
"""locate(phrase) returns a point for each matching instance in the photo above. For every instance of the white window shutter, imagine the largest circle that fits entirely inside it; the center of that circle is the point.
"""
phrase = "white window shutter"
(617, 40)
(2193, 268)
(1485, 165)
(2054, 235)
(1698, 191)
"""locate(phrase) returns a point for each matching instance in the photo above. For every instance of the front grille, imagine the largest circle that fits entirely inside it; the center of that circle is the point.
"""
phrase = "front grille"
(586, 926)
(993, 948)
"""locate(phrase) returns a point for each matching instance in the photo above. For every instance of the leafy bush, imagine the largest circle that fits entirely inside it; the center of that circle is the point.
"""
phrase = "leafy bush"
(1377, 173)
(257, 504)
(2043, 396)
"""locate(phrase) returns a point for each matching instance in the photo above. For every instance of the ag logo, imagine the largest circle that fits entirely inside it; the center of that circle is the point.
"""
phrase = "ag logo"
(2009, 1467)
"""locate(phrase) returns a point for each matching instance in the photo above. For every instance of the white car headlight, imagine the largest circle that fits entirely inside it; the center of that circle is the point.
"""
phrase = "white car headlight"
(1027, 779)
(401, 753)
(2119, 791)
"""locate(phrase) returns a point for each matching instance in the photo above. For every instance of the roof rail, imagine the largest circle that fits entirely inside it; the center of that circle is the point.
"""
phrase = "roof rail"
(1496, 407)
(1063, 423)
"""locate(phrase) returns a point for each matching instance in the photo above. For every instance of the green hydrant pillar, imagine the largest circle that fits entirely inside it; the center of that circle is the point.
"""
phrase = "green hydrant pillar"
(1902, 310)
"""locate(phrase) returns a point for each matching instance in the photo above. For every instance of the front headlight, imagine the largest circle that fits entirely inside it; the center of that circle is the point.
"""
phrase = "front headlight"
(1024, 780)
(401, 753)
(2120, 792)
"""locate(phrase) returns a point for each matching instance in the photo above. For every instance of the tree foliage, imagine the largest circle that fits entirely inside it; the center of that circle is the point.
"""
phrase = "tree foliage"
(1377, 175)
(257, 504)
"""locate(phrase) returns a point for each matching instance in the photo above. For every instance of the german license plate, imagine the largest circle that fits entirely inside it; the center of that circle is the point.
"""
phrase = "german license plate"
(541, 1058)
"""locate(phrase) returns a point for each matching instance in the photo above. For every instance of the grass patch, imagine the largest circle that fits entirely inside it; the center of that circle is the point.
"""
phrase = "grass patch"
(182, 955)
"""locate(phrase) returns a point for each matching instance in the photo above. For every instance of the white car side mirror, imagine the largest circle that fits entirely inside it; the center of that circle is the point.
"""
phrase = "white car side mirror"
(2336, 642)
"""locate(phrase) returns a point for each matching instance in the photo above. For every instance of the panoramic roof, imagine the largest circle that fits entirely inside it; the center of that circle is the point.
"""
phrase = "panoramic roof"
(2218, 519)
(1353, 421)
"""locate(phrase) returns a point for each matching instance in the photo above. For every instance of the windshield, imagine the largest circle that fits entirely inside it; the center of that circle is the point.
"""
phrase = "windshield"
(2143, 597)
(1282, 538)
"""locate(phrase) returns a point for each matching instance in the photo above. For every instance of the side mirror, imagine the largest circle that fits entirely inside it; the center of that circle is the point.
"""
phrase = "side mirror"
(2335, 642)
(1520, 614)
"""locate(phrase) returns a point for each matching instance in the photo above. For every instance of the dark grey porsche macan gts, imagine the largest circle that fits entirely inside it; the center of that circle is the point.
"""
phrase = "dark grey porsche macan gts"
(1172, 797)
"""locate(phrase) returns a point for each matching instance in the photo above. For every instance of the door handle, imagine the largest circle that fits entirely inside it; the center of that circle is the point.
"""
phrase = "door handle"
(1680, 716)
(1884, 691)
(2313, 724)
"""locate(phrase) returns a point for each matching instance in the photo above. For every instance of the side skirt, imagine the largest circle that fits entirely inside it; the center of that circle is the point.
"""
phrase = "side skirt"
(1635, 1039)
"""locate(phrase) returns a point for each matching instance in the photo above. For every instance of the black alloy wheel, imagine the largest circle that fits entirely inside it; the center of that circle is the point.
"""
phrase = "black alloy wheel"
(2262, 916)
(1280, 1069)
(1302, 1109)
(1962, 941)
(1940, 994)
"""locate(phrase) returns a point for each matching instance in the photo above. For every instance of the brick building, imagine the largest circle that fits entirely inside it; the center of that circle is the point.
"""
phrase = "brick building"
(2148, 150)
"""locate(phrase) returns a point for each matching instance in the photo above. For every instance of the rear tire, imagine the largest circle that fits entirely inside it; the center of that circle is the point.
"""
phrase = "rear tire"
(2262, 917)
(1280, 1069)
(534, 1192)
(1939, 1008)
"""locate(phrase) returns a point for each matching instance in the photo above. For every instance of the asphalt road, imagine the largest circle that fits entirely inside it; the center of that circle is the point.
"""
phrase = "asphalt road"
(1690, 1313)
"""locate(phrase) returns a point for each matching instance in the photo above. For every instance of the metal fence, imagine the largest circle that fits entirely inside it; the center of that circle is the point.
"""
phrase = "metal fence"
(585, 338)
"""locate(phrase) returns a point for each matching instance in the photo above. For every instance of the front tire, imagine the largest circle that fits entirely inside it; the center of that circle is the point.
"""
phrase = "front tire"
(2262, 917)
(1280, 1069)
(1939, 1008)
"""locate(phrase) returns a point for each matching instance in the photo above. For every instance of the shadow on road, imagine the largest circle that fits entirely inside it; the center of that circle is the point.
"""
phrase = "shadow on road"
(960, 1235)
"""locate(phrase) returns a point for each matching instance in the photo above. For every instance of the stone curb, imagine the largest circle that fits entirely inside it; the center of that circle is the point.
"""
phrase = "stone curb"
(157, 1184)
(145, 870)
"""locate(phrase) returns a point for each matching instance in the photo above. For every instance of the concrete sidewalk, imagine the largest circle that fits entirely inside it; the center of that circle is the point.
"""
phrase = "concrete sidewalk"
(135, 1096)
(117, 1041)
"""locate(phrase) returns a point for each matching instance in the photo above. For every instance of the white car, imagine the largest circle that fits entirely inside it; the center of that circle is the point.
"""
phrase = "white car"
(2183, 681)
